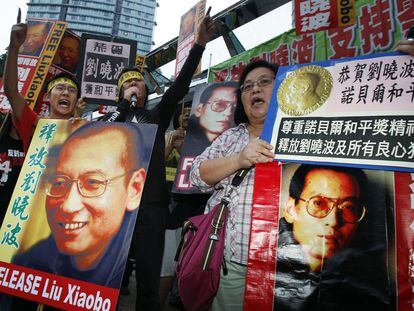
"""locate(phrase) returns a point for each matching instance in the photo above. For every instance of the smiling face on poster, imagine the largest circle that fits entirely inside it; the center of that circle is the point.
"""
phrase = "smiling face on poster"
(85, 201)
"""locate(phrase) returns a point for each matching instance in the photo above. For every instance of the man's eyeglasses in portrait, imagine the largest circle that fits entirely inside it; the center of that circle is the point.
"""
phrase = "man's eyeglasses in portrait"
(350, 209)
(221, 105)
(89, 185)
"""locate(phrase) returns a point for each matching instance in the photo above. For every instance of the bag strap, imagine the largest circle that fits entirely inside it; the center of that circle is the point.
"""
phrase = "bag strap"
(219, 219)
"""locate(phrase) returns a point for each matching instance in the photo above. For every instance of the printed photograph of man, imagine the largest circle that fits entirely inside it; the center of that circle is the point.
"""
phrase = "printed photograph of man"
(92, 198)
(212, 115)
(35, 38)
(324, 260)
(187, 26)
(68, 52)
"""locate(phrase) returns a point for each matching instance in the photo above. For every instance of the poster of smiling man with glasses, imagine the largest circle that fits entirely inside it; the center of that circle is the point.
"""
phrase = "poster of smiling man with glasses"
(73, 212)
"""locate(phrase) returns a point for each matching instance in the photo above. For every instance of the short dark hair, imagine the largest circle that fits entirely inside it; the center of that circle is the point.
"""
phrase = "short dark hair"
(239, 114)
(133, 155)
(298, 180)
(67, 76)
(121, 91)
(208, 91)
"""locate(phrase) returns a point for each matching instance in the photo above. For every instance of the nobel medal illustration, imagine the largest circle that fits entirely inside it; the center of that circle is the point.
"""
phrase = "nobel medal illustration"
(304, 90)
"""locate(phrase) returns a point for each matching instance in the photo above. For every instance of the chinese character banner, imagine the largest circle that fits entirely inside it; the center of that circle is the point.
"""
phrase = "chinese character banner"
(358, 112)
(101, 63)
(316, 15)
(379, 25)
(65, 238)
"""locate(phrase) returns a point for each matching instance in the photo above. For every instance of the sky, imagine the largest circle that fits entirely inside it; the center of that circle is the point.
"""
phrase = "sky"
(168, 16)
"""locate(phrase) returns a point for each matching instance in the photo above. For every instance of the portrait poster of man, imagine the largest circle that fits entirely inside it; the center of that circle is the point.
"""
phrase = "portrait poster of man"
(101, 62)
(357, 112)
(66, 235)
(67, 56)
(37, 34)
(323, 238)
(187, 34)
(34, 59)
(212, 113)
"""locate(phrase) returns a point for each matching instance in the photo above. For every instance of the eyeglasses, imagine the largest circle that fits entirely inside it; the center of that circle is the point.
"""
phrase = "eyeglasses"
(262, 82)
(89, 185)
(61, 88)
(221, 105)
(351, 210)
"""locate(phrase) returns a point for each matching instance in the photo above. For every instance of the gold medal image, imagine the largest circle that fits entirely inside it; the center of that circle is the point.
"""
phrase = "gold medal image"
(304, 90)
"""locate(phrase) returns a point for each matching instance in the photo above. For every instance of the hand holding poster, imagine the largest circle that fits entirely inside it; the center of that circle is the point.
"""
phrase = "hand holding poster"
(66, 235)
(358, 112)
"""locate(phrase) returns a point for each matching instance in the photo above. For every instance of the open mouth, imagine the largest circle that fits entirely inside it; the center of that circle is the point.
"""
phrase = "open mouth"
(72, 225)
(64, 103)
(257, 101)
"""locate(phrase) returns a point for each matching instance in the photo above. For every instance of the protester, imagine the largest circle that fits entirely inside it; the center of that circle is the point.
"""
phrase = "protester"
(235, 149)
(62, 92)
(150, 227)
(11, 161)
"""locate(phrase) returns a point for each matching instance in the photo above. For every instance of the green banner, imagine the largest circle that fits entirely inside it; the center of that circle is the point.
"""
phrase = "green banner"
(380, 24)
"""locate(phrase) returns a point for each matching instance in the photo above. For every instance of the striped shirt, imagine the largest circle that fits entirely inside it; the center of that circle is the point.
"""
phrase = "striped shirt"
(230, 142)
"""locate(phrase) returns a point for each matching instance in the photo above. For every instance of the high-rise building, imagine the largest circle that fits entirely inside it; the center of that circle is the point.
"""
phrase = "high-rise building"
(130, 19)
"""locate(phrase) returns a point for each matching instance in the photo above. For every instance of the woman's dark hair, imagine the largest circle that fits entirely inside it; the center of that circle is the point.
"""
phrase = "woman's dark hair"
(239, 114)
(67, 76)
(121, 91)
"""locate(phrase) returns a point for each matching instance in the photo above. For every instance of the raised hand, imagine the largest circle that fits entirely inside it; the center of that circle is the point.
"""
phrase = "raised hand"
(205, 30)
(18, 35)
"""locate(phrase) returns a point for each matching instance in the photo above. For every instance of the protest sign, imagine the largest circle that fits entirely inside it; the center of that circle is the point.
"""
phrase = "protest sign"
(35, 57)
(316, 15)
(211, 114)
(66, 235)
(298, 260)
(379, 26)
(187, 35)
(102, 60)
(67, 57)
(356, 112)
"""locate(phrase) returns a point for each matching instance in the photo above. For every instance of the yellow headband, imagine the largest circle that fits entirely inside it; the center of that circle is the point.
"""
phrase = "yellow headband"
(128, 76)
(52, 84)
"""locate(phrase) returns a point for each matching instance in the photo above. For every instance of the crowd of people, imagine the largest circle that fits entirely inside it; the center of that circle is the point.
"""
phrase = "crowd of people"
(72, 202)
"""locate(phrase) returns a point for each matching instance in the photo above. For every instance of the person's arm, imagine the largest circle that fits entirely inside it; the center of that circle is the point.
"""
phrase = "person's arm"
(406, 46)
(214, 170)
(17, 102)
(120, 114)
(181, 85)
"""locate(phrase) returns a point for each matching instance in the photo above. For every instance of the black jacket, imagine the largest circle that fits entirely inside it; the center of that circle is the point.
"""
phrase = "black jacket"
(155, 189)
